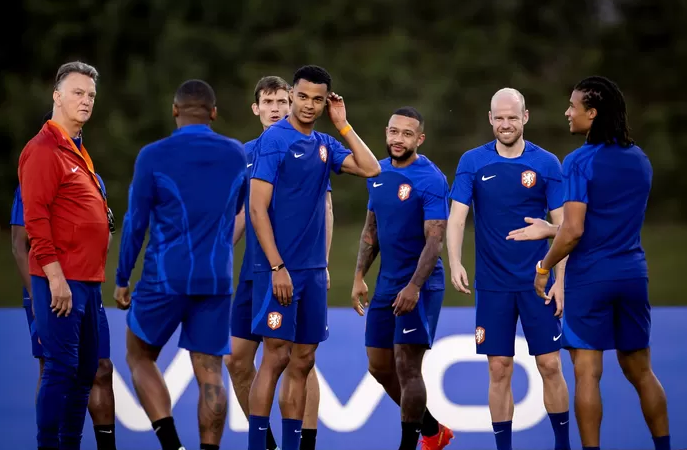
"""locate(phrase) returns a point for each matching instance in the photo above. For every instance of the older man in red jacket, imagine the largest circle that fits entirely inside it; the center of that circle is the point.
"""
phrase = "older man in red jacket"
(66, 219)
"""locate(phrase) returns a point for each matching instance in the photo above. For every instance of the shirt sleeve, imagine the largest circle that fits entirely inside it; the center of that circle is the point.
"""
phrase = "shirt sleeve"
(463, 183)
(17, 217)
(554, 185)
(329, 186)
(137, 217)
(40, 175)
(435, 199)
(338, 154)
(268, 155)
(574, 181)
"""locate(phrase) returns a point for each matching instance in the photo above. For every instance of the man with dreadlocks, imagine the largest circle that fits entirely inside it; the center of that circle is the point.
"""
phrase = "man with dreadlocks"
(607, 184)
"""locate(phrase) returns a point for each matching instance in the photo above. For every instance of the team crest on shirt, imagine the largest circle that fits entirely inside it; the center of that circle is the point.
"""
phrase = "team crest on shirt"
(480, 334)
(274, 320)
(323, 153)
(404, 192)
(529, 178)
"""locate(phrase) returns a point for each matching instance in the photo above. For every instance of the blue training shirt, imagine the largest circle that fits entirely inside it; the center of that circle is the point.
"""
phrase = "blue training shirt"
(251, 239)
(402, 199)
(298, 166)
(188, 187)
(17, 219)
(503, 191)
(615, 183)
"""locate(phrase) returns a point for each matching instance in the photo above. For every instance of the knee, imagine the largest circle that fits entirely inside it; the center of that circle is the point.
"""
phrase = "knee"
(407, 366)
(383, 373)
(500, 369)
(238, 366)
(276, 358)
(588, 371)
(103, 376)
(635, 369)
(303, 363)
(549, 366)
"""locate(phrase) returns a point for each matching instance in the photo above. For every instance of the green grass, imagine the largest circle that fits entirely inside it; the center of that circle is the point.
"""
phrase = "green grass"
(665, 245)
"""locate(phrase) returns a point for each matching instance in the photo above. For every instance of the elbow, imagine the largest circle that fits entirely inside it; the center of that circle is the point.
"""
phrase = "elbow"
(575, 232)
(373, 170)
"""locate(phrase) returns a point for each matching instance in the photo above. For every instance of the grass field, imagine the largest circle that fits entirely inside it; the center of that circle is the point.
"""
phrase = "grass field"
(665, 245)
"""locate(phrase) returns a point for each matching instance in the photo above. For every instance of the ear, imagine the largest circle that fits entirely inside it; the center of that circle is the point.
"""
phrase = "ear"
(57, 97)
(213, 114)
(421, 139)
(591, 113)
(491, 121)
(290, 96)
(525, 117)
(255, 109)
(175, 111)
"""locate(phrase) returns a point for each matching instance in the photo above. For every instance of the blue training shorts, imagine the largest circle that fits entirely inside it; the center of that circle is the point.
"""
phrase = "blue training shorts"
(497, 318)
(205, 319)
(103, 338)
(383, 329)
(242, 312)
(304, 321)
(608, 315)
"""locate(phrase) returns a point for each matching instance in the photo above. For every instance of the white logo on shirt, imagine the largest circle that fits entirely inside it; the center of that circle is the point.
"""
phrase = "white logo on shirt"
(298, 155)
(74, 169)
(248, 165)
(377, 184)
(408, 331)
(487, 178)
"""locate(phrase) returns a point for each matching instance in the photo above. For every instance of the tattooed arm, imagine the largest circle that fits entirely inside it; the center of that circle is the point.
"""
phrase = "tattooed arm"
(367, 252)
(434, 243)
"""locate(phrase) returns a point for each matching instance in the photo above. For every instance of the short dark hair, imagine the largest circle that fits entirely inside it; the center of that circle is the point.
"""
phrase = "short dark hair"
(409, 111)
(270, 85)
(313, 74)
(610, 124)
(74, 67)
(195, 95)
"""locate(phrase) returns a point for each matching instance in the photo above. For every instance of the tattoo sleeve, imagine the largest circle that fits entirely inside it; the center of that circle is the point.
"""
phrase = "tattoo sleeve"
(435, 231)
(369, 245)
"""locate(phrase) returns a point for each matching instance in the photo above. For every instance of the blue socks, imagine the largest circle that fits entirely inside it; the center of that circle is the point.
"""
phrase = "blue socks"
(561, 429)
(662, 443)
(290, 434)
(257, 432)
(503, 432)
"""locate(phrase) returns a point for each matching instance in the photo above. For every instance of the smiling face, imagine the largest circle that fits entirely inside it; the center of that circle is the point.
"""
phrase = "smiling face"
(508, 118)
(579, 117)
(403, 137)
(308, 100)
(75, 97)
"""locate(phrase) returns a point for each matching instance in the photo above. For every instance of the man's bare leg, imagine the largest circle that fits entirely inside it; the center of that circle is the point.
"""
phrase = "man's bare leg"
(101, 406)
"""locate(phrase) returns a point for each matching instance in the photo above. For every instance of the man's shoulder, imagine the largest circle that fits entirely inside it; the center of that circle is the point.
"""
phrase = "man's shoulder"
(541, 157)
(475, 156)
(582, 156)
(279, 137)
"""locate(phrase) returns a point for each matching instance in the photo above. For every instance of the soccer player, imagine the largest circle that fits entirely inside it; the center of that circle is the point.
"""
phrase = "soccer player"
(406, 222)
(67, 222)
(187, 188)
(271, 105)
(290, 175)
(607, 184)
(101, 400)
(506, 180)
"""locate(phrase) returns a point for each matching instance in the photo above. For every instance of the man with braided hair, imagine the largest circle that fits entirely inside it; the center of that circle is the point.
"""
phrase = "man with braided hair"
(607, 184)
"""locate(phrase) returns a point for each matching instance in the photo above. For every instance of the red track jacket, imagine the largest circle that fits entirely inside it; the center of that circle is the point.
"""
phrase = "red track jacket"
(64, 211)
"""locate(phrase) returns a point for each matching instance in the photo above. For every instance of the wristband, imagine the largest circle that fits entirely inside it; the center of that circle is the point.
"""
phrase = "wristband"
(346, 129)
(278, 268)
(541, 270)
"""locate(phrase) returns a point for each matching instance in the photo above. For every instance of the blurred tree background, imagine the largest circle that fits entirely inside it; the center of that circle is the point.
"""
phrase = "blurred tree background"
(444, 57)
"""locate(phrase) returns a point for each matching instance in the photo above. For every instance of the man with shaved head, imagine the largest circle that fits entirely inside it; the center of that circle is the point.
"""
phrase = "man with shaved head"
(187, 188)
(506, 180)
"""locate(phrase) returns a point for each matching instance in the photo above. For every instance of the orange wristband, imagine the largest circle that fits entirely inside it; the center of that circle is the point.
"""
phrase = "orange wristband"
(541, 270)
(346, 129)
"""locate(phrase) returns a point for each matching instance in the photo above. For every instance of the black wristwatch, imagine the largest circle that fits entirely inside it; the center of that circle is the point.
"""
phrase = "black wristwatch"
(278, 268)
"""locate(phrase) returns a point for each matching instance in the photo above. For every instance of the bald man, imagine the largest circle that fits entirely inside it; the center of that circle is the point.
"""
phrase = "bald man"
(506, 180)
